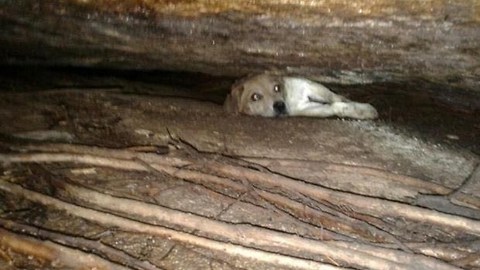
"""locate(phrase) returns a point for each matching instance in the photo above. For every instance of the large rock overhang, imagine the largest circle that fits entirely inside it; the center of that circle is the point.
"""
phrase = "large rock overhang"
(333, 40)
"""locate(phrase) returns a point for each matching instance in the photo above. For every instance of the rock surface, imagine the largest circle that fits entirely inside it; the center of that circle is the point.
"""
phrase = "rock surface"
(333, 40)
(84, 177)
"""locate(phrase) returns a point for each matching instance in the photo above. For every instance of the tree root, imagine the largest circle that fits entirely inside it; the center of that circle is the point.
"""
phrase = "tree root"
(52, 255)
(247, 240)
(110, 220)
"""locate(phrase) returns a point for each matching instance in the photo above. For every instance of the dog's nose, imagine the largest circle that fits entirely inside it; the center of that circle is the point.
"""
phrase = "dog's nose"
(279, 107)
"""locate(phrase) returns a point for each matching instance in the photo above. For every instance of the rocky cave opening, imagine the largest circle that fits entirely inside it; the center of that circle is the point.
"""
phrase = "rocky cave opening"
(115, 152)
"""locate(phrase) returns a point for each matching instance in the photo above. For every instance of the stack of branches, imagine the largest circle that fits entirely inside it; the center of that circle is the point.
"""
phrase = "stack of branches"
(344, 230)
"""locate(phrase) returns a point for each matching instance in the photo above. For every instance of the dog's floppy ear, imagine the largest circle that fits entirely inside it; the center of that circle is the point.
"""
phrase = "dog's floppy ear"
(232, 103)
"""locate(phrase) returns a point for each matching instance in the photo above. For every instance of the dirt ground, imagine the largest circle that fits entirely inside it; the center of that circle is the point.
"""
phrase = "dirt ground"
(144, 170)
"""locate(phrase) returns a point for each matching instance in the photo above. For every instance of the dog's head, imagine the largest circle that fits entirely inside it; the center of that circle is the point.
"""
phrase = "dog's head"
(262, 95)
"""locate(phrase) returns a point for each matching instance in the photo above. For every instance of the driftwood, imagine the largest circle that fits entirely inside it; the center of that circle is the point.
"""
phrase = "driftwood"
(354, 228)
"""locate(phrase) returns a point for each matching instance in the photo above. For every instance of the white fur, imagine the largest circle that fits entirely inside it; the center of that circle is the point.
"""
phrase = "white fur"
(300, 92)
(262, 94)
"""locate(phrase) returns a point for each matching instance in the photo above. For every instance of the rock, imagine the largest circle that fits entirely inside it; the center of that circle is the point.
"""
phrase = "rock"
(332, 41)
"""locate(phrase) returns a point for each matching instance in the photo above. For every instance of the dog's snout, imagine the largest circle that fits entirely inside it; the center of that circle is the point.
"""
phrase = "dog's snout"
(280, 107)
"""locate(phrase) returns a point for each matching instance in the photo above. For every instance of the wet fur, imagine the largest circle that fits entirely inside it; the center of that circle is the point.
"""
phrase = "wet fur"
(300, 96)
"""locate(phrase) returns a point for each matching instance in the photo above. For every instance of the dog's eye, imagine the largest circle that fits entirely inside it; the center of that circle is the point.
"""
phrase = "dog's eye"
(276, 88)
(256, 96)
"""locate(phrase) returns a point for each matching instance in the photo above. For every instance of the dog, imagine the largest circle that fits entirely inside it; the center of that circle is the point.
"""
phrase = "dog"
(271, 95)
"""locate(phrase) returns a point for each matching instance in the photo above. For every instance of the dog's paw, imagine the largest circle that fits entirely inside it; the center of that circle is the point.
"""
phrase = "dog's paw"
(355, 110)
(365, 111)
